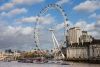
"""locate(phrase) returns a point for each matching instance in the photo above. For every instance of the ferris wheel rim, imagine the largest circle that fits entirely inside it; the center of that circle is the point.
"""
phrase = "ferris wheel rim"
(55, 6)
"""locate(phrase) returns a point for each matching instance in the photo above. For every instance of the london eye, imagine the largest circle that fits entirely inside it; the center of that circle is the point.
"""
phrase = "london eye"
(38, 23)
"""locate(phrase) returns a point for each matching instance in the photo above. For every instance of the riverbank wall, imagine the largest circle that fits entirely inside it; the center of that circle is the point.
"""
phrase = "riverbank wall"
(90, 53)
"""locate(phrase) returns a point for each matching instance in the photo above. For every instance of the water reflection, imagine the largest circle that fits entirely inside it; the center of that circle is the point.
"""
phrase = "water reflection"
(16, 64)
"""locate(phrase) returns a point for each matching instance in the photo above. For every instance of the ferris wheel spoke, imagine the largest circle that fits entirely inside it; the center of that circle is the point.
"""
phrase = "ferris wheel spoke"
(43, 11)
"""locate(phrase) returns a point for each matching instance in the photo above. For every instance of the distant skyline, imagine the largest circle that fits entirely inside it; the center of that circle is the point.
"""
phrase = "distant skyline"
(18, 18)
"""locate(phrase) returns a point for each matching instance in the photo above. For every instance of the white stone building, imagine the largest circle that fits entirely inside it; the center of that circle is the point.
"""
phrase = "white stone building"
(74, 34)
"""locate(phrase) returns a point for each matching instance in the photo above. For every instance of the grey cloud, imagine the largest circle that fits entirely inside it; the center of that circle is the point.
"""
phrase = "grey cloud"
(13, 3)
(88, 6)
(16, 40)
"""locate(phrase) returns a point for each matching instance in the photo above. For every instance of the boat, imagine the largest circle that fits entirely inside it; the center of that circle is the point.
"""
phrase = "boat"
(54, 61)
(39, 61)
(25, 60)
(58, 62)
(64, 63)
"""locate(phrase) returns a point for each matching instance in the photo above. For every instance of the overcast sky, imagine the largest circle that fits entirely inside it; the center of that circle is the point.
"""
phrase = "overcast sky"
(18, 18)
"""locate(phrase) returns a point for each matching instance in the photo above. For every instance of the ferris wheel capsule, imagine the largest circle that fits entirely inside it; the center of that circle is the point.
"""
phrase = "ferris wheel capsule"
(50, 6)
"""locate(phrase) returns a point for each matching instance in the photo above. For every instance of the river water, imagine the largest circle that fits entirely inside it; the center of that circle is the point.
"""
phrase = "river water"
(71, 64)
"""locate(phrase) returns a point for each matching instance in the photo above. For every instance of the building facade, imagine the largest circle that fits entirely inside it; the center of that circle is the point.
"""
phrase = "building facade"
(74, 34)
(4, 56)
(82, 47)
(85, 37)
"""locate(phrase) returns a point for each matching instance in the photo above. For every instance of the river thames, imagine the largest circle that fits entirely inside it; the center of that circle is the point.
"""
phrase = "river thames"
(71, 64)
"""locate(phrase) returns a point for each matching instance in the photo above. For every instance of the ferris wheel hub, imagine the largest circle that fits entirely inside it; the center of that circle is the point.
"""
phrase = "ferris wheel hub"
(43, 11)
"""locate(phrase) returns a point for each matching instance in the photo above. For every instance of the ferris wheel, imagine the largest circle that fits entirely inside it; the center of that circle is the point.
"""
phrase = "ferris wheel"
(43, 11)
